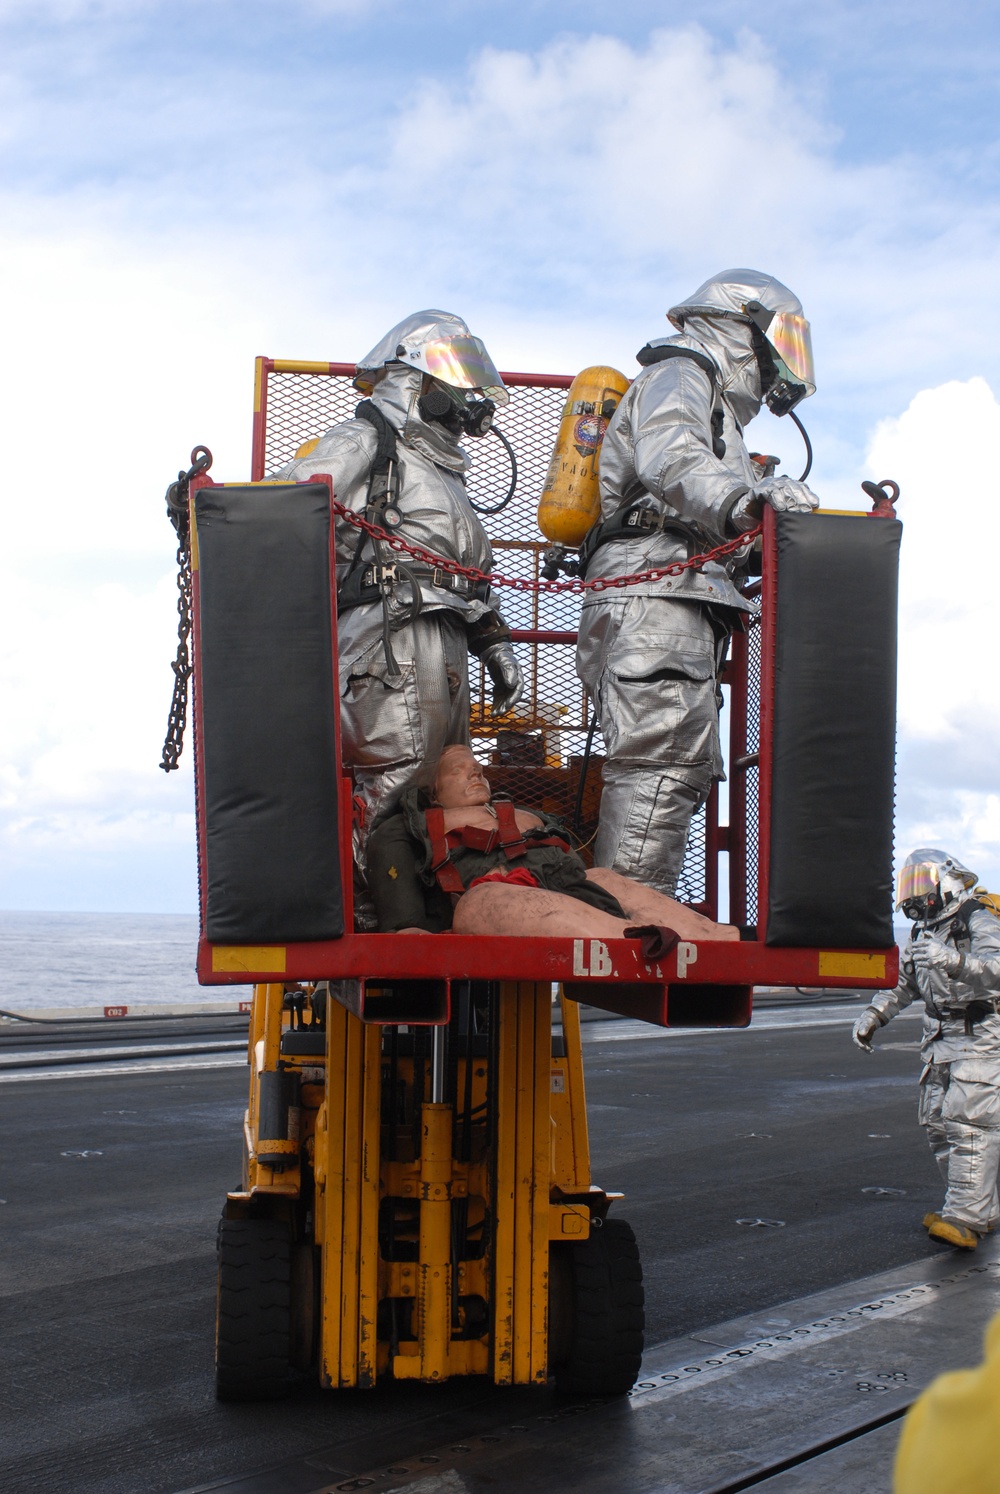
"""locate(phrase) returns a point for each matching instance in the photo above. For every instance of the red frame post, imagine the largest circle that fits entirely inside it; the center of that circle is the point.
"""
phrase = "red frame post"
(768, 626)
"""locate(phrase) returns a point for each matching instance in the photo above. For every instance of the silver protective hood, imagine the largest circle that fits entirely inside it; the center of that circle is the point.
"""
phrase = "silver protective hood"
(726, 294)
(440, 344)
(729, 344)
(397, 394)
(714, 317)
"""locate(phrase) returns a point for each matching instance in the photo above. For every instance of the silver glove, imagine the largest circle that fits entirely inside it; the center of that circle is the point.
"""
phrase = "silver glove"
(785, 496)
(866, 1027)
(503, 670)
(928, 953)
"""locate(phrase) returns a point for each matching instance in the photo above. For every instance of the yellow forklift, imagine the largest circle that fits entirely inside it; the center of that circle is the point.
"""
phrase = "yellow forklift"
(416, 1200)
(418, 1204)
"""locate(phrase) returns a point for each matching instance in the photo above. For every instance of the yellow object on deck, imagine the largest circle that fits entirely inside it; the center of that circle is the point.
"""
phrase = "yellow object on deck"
(949, 1438)
(571, 500)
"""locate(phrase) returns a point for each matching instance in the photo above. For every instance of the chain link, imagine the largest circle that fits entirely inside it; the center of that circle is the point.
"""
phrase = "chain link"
(575, 586)
(173, 743)
(179, 515)
(177, 509)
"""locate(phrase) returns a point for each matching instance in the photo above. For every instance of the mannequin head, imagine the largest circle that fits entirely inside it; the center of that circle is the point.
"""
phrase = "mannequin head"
(459, 782)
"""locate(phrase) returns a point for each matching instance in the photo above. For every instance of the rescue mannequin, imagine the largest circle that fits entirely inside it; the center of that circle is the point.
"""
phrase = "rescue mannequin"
(952, 964)
(676, 480)
(405, 629)
(535, 886)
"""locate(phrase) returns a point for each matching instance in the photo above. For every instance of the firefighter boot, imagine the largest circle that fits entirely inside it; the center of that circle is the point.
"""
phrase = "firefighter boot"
(951, 1232)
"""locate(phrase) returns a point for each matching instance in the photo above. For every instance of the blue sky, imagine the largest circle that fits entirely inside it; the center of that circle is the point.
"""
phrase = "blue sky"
(183, 186)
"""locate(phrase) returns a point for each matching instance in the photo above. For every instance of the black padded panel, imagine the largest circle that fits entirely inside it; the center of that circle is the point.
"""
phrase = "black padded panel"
(267, 702)
(834, 732)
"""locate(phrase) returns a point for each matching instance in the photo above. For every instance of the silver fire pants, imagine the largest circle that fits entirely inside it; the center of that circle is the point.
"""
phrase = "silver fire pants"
(960, 1109)
(394, 729)
(650, 665)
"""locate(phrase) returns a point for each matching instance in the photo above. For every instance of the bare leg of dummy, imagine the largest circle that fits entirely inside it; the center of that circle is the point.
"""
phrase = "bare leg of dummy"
(646, 905)
(532, 912)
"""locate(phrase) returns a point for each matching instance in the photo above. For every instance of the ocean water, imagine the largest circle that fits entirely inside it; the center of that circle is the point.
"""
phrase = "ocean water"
(101, 959)
(109, 959)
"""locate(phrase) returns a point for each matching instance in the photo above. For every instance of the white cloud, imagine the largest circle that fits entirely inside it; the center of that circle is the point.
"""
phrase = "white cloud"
(940, 451)
(560, 199)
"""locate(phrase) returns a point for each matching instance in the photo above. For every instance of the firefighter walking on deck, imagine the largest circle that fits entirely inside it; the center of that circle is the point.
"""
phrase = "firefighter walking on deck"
(952, 964)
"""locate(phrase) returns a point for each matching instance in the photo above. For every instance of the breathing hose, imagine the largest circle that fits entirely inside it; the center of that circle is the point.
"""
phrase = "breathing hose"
(809, 451)
(495, 430)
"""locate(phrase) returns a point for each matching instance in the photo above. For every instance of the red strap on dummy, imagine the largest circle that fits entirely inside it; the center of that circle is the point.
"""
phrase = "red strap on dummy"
(520, 877)
(441, 864)
(511, 840)
(507, 828)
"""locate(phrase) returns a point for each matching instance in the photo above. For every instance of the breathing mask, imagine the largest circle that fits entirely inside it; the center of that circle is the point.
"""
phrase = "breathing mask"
(454, 409)
(929, 881)
(783, 344)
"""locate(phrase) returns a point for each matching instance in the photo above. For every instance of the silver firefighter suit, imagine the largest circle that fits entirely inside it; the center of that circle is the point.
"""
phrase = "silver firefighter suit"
(400, 707)
(676, 480)
(960, 1082)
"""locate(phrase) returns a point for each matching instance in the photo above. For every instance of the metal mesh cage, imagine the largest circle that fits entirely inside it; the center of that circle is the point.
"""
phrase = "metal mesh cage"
(535, 754)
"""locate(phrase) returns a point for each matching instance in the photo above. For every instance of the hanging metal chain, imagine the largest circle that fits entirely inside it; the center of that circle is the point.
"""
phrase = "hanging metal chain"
(179, 515)
(576, 585)
(177, 510)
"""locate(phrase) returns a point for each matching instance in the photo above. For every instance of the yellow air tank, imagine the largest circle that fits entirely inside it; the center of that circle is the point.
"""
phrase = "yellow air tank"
(570, 500)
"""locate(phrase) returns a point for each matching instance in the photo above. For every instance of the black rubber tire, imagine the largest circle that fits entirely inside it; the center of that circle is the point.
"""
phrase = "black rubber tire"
(253, 1320)
(603, 1277)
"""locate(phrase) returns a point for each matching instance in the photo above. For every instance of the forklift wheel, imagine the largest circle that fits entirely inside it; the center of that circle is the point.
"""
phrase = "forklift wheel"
(597, 1312)
(253, 1322)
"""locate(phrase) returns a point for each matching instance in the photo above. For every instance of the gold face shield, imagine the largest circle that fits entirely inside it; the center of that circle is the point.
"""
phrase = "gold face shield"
(920, 879)
(791, 344)
(461, 363)
(789, 348)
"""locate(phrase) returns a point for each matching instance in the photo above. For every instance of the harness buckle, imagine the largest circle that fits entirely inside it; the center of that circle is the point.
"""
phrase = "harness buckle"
(381, 575)
(447, 580)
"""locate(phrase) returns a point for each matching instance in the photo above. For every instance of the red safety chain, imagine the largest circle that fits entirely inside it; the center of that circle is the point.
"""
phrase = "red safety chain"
(526, 583)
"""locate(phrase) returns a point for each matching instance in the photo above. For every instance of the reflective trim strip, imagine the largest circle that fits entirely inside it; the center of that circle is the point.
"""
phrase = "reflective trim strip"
(263, 959)
(836, 962)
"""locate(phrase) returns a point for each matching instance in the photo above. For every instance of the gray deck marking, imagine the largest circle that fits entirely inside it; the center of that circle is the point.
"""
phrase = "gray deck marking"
(149, 1066)
(679, 1378)
(21, 1057)
(771, 1020)
(652, 1389)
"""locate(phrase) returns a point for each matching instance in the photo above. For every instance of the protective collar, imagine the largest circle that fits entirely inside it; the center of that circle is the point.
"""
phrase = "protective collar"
(729, 344)
(396, 395)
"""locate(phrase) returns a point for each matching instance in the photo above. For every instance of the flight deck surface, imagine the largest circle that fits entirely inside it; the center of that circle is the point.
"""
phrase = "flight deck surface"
(108, 1298)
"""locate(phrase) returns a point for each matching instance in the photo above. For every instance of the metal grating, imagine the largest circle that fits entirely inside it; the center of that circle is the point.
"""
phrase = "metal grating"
(301, 405)
(536, 754)
(691, 882)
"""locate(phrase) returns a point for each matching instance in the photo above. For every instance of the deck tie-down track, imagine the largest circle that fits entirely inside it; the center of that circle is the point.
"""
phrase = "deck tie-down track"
(721, 1410)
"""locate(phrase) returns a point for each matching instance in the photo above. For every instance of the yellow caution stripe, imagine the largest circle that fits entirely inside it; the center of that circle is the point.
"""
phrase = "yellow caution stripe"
(258, 959)
(847, 963)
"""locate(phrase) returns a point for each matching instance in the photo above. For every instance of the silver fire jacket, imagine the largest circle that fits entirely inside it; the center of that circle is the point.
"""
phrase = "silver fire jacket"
(946, 999)
(658, 450)
(432, 498)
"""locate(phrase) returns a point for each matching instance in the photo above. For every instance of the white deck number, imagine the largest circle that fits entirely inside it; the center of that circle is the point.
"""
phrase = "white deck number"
(600, 960)
(687, 954)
